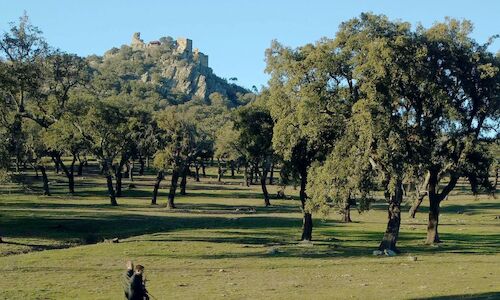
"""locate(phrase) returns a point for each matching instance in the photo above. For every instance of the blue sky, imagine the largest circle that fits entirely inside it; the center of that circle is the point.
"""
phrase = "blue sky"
(233, 33)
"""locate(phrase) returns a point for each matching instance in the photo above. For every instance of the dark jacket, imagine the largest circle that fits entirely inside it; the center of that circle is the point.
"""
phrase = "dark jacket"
(137, 289)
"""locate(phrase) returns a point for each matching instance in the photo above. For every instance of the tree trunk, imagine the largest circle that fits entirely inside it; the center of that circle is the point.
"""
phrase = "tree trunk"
(71, 183)
(46, 190)
(281, 192)
(173, 187)
(416, 205)
(250, 180)
(79, 171)
(68, 171)
(394, 219)
(197, 172)
(35, 169)
(111, 191)
(203, 171)
(307, 227)
(141, 165)
(184, 180)
(347, 212)
(56, 164)
(18, 163)
(307, 224)
(219, 171)
(231, 163)
(255, 174)
(109, 182)
(271, 176)
(131, 172)
(263, 179)
(118, 175)
(432, 225)
(434, 201)
(421, 191)
(245, 175)
(159, 178)
(496, 179)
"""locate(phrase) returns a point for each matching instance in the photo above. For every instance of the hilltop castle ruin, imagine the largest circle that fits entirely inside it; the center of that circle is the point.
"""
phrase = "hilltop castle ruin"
(182, 46)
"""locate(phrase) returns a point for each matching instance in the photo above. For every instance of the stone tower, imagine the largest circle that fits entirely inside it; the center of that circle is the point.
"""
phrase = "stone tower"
(184, 45)
(201, 57)
(137, 42)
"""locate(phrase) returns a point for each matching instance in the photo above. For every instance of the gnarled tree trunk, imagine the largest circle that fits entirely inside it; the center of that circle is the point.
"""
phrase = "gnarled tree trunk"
(434, 202)
(197, 172)
(496, 179)
(68, 171)
(421, 190)
(346, 216)
(432, 225)
(81, 164)
(231, 164)
(173, 188)
(141, 165)
(131, 166)
(263, 179)
(156, 187)
(271, 176)
(307, 224)
(394, 219)
(185, 171)
(109, 182)
(415, 206)
(246, 176)
(57, 167)
(46, 190)
(118, 175)
(203, 171)
(307, 227)
(219, 170)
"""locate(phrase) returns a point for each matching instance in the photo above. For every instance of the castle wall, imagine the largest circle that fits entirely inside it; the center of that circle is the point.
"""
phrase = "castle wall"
(137, 42)
(203, 59)
(200, 57)
(185, 45)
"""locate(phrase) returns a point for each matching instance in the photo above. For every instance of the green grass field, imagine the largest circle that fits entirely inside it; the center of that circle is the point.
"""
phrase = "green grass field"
(214, 247)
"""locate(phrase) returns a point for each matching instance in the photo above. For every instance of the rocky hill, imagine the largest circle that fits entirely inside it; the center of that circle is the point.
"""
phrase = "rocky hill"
(173, 67)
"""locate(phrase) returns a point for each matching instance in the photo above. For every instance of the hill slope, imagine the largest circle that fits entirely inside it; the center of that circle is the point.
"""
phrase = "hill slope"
(172, 67)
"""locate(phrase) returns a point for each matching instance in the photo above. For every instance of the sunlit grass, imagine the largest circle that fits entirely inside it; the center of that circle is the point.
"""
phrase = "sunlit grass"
(213, 246)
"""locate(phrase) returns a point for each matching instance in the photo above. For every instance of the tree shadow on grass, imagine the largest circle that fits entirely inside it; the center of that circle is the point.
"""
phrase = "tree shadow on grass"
(245, 195)
(37, 247)
(66, 206)
(335, 239)
(482, 296)
(124, 204)
(196, 187)
(413, 242)
(69, 226)
(471, 208)
(234, 208)
(145, 193)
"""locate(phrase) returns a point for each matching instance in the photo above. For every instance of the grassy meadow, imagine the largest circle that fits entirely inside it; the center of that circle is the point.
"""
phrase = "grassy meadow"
(222, 243)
